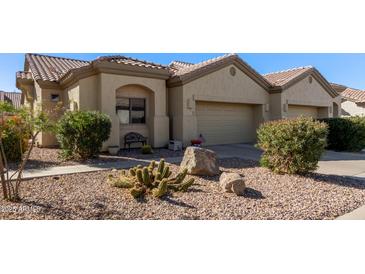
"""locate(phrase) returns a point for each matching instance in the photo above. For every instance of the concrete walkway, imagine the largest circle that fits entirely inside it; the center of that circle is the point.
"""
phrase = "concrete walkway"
(357, 214)
(83, 168)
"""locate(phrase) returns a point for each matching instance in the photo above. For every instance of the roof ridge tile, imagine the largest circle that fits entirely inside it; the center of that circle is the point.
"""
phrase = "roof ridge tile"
(288, 70)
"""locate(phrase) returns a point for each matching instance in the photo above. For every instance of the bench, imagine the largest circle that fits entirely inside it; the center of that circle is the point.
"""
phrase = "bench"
(134, 137)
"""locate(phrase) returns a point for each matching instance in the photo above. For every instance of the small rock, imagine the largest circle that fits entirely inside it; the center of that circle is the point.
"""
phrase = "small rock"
(232, 182)
(200, 161)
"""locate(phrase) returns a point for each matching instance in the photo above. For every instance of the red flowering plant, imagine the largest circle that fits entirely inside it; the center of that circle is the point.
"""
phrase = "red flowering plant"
(20, 126)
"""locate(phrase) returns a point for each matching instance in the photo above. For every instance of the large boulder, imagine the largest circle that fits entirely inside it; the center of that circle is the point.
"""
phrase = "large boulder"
(200, 161)
(232, 182)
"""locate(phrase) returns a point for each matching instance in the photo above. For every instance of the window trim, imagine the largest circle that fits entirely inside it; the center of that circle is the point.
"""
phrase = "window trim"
(117, 108)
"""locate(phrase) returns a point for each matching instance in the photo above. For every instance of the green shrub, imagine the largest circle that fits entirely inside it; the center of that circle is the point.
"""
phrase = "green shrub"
(82, 133)
(146, 149)
(15, 145)
(346, 134)
(15, 141)
(292, 146)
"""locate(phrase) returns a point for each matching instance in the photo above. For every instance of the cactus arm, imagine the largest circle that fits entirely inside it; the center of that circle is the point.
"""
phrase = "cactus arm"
(132, 172)
(137, 191)
(160, 190)
(146, 177)
(139, 176)
(123, 184)
(184, 186)
(161, 166)
(166, 172)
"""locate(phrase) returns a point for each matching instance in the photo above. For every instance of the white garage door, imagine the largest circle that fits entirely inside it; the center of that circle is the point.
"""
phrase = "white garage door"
(306, 111)
(223, 123)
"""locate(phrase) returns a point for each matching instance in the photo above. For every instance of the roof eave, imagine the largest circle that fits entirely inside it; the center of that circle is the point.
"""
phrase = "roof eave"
(74, 75)
(125, 69)
(20, 81)
(316, 74)
(231, 60)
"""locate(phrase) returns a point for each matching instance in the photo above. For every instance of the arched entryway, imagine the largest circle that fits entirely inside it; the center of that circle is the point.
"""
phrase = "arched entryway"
(135, 110)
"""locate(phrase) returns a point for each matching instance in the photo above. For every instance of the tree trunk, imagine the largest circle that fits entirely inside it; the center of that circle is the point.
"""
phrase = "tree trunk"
(2, 177)
(22, 166)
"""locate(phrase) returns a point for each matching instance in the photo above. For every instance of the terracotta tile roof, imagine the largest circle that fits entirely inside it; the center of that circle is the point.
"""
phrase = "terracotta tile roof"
(26, 75)
(355, 95)
(12, 97)
(339, 88)
(182, 68)
(176, 65)
(119, 59)
(50, 68)
(282, 77)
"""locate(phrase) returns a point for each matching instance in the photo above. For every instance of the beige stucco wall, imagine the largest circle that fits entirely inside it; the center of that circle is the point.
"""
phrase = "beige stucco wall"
(83, 95)
(218, 86)
(175, 111)
(352, 109)
(308, 94)
(89, 89)
(48, 139)
(72, 97)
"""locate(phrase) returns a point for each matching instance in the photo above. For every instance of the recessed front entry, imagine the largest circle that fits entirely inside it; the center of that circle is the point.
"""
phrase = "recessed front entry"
(134, 111)
(225, 123)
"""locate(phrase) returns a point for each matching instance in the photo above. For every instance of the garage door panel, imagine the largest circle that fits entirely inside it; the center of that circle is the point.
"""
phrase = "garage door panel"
(306, 111)
(223, 123)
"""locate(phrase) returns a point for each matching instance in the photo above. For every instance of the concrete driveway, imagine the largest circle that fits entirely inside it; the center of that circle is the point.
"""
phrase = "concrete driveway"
(334, 163)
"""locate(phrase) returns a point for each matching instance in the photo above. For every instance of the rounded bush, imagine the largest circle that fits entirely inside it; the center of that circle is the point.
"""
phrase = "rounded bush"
(82, 133)
(146, 149)
(346, 134)
(14, 139)
(292, 146)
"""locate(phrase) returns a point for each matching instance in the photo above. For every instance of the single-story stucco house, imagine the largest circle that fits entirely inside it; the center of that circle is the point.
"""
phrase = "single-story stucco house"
(223, 99)
(353, 100)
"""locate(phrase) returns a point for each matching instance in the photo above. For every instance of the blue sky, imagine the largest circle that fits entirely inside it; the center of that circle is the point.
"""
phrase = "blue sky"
(347, 69)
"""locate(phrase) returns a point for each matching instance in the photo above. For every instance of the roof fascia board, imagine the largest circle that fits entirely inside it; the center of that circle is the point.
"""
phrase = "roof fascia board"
(316, 75)
(75, 75)
(124, 69)
(236, 61)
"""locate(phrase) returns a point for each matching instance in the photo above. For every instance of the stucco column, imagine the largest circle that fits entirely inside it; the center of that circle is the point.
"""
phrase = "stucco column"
(159, 129)
(276, 106)
(107, 106)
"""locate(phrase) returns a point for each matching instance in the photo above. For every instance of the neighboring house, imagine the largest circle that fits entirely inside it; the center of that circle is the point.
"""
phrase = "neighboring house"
(224, 99)
(13, 98)
(353, 102)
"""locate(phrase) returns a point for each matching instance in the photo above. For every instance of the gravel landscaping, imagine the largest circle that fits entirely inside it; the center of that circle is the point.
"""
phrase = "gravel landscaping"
(268, 196)
(47, 157)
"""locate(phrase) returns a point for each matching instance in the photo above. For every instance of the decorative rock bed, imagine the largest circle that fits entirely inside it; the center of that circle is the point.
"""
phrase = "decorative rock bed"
(267, 196)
